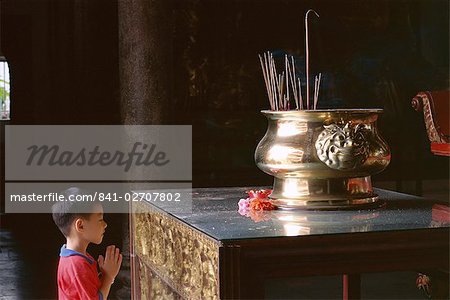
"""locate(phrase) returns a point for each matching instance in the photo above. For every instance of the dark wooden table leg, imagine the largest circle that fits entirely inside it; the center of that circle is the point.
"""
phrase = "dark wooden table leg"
(351, 286)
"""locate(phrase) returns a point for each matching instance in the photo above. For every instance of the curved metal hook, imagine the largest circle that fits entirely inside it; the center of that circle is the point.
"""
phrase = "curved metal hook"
(311, 10)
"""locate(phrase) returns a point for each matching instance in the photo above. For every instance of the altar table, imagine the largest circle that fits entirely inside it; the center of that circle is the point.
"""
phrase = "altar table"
(213, 252)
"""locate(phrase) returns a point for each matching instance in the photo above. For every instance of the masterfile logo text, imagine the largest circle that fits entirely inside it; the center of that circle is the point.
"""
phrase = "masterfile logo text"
(101, 153)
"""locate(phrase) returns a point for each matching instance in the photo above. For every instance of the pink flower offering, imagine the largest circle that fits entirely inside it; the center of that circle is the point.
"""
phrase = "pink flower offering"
(244, 203)
(257, 205)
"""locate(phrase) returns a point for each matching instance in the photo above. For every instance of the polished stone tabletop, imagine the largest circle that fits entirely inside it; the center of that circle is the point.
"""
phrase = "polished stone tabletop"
(215, 213)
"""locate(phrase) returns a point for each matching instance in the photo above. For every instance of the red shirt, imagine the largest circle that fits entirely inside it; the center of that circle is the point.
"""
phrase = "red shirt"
(77, 276)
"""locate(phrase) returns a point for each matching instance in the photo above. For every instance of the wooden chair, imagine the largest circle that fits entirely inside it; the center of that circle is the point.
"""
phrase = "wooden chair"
(435, 108)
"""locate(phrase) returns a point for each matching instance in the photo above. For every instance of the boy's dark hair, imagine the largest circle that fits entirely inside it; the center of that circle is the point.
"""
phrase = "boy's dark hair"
(65, 212)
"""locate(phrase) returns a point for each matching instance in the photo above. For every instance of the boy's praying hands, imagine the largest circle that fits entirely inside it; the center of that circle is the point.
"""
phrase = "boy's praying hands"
(109, 266)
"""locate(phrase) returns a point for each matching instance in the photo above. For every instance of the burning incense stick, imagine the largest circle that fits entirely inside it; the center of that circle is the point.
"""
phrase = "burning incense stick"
(287, 76)
(316, 90)
(300, 93)
(293, 81)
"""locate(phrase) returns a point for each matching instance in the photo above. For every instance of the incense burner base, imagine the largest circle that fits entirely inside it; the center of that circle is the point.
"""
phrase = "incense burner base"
(335, 193)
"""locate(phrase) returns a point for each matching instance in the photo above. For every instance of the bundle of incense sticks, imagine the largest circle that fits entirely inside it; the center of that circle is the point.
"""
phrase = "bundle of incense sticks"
(284, 86)
(280, 86)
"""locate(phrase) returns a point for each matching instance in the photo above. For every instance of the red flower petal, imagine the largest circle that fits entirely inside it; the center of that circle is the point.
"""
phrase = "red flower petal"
(261, 204)
(259, 193)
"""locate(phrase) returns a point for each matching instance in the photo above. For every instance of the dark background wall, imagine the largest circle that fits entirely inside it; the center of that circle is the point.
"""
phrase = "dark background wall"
(64, 60)
(66, 69)
(372, 54)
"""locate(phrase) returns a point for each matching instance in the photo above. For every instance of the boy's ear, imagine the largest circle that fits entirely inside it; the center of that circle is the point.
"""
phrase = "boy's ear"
(79, 224)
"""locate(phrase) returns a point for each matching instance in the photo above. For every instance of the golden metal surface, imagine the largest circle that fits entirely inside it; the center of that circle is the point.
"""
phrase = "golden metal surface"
(322, 158)
(152, 287)
(185, 259)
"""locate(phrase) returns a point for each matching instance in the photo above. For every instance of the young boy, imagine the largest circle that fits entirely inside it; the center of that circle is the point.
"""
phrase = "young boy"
(82, 223)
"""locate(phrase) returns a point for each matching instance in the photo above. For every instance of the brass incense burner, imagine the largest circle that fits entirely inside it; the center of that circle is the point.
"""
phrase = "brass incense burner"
(322, 159)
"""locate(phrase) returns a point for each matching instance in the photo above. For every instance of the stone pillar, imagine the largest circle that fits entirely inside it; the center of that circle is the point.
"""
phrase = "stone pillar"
(145, 60)
(145, 68)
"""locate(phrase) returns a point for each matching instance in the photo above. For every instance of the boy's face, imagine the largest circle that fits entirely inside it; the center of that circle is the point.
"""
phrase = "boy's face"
(94, 226)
